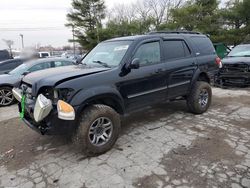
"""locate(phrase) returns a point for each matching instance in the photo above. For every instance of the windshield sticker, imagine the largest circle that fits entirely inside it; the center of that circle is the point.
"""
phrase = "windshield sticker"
(119, 48)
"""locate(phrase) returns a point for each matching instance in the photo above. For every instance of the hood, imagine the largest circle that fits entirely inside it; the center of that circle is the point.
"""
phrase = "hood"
(235, 60)
(53, 76)
(7, 79)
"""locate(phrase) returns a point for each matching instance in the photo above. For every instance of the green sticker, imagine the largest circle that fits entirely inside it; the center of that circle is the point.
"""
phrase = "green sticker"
(22, 107)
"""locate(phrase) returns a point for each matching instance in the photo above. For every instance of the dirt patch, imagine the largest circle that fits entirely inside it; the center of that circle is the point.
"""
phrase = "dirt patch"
(199, 165)
(20, 145)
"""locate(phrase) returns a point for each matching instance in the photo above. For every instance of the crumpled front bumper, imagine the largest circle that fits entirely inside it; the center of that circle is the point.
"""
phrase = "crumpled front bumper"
(42, 116)
(234, 79)
(51, 125)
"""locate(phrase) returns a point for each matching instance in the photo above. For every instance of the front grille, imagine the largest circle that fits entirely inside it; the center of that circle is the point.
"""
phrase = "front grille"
(231, 68)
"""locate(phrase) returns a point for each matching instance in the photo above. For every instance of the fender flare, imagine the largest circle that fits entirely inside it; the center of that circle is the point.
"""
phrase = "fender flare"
(83, 97)
(196, 76)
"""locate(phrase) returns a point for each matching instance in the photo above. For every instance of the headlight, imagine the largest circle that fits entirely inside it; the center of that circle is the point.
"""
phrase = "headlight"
(63, 93)
(65, 111)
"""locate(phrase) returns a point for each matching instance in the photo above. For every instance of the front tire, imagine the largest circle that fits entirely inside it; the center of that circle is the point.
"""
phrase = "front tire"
(6, 96)
(199, 98)
(98, 129)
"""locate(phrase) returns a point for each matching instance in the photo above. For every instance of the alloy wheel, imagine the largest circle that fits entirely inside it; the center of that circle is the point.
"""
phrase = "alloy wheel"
(6, 97)
(100, 131)
(203, 98)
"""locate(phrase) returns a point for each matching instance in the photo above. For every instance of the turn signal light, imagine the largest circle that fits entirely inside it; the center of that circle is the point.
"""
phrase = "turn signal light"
(65, 111)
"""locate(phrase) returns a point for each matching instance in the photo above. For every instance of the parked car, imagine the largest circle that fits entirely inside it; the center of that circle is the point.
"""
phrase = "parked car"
(236, 67)
(117, 77)
(13, 78)
(44, 54)
(4, 55)
(8, 65)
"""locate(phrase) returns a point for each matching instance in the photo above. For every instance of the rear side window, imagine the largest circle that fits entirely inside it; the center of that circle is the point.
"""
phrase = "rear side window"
(203, 45)
(175, 49)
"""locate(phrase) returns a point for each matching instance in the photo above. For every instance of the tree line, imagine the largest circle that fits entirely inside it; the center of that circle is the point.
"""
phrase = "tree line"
(92, 22)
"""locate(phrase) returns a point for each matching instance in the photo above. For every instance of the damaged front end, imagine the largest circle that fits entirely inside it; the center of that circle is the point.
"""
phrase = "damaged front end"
(46, 113)
(234, 74)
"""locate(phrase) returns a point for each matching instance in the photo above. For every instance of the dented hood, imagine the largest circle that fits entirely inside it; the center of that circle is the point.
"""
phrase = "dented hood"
(54, 76)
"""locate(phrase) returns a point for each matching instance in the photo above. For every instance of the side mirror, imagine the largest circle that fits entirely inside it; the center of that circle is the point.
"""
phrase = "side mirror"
(25, 73)
(135, 64)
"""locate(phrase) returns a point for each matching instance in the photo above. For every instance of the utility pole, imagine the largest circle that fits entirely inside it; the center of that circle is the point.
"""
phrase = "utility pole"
(21, 35)
(74, 46)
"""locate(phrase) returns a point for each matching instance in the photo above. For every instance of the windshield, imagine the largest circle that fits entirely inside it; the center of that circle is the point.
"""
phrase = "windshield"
(19, 70)
(108, 54)
(240, 51)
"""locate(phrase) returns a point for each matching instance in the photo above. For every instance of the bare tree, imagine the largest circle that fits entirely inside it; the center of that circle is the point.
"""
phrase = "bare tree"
(9, 43)
(143, 9)
(122, 12)
(161, 9)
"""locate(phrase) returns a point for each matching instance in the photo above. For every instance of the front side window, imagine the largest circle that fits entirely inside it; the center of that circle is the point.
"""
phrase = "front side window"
(149, 53)
(40, 66)
(108, 54)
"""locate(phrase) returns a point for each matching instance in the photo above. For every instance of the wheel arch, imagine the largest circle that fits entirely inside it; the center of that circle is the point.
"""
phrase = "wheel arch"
(6, 85)
(106, 96)
(201, 76)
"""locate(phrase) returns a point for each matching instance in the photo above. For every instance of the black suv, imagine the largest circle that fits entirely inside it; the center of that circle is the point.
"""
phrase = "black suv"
(117, 77)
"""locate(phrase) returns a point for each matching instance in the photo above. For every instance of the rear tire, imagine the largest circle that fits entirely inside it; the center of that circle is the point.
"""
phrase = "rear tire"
(199, 98)
(6, 96)
(98, 129)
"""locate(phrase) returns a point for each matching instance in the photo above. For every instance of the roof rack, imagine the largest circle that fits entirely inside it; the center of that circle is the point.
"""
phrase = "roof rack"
(174, 32)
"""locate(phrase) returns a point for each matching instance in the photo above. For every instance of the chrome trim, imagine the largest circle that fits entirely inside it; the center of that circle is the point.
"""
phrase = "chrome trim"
(147, 92)
(179, 84)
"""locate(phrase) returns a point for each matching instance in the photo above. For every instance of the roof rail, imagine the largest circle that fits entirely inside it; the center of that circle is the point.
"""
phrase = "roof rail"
(174, 32)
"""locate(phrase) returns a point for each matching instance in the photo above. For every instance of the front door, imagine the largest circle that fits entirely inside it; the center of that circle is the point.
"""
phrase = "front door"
(148, 84)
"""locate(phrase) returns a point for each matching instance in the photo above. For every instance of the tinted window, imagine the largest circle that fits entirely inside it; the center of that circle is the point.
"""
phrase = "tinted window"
(175, 49)
(40, 66)
(203, 45)
(149, 53)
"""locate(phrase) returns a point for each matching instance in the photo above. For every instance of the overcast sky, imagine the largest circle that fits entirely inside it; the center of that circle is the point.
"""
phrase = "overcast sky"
(18, 15)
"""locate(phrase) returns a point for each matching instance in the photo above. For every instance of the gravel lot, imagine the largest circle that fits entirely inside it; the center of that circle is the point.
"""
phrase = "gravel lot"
(164, 146)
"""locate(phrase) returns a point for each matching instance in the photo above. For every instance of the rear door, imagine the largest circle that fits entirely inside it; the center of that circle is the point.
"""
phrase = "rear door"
(181, 65)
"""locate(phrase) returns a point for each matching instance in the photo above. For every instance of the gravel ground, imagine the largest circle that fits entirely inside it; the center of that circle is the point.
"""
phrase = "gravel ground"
(164, 146)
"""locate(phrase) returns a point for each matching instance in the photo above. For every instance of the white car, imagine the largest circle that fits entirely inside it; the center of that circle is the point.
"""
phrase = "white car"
(44, 54)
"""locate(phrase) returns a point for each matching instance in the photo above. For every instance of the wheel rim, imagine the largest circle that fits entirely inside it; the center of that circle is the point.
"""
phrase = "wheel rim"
(100, 131)
(203, 98)
(6, 97)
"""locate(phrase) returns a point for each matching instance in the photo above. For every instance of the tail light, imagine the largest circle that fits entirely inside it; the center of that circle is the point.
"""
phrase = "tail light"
(218, 62)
